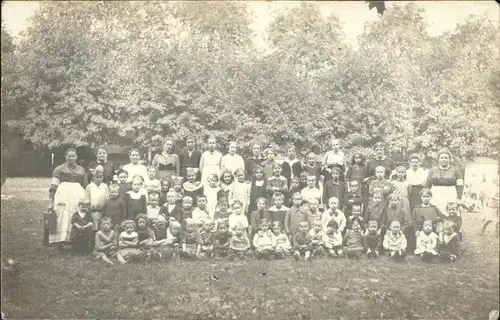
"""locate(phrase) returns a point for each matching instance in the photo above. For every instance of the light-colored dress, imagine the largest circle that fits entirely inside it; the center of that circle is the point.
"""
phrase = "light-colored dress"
(70, 182)
(232, 163)
(401, 188)
(128, 253)
(241, 192)
(135, 170)
(426, 243)
(339, 217)
(211, 194)
(210, 164)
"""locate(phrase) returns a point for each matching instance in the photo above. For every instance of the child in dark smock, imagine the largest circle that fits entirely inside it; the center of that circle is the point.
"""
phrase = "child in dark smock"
(81, 229)
(135, 199)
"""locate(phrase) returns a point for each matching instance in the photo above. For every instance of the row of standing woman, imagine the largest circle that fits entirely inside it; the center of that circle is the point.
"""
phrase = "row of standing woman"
(334, 176)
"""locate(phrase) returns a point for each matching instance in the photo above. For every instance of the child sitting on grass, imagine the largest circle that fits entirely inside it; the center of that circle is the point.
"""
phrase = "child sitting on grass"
(106, 241)
(207, 238)
(263, 241)
(162, 242)
(282, 244)
(353, 242)
(239, 245)
(332, 239)
(395, 241)
(145, 237)
(449, 249)
(427, 242)
(221, 240)
(81, 229)
(302, 242)
(127, 242)
(372, 240)
(191, 241)
(317, 239)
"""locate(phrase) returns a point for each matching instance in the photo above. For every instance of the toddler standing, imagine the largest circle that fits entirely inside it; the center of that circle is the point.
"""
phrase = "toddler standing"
(81, 229)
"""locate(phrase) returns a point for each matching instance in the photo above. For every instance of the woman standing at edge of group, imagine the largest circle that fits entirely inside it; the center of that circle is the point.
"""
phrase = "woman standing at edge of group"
(210, 161)
(135, 168)
(190, 158)
(445, 181)
(109, 169)
(166, 162)
(67, 188)
(255, 160)
(416, 177)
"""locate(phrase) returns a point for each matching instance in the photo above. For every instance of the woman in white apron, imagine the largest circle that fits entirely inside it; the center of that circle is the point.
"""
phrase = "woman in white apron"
(446, 183)
(66, 190)
(210, 161)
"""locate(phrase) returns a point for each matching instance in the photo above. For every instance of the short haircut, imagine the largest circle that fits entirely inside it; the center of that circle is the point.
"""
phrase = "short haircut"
(141, 216)
(259, 199)
(126, 223)
(379, 167)
(332, 224)
(278, 195)
(450, 205)
(237, 202)
(121, 171)
(186, 198)
(201, 196)
(153, 194)
(425, 192)
(106, 219)
(137, 177)
(393, 196)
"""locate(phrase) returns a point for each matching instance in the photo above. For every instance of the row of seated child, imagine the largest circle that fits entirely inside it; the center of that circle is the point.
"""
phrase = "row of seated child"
(307, 234)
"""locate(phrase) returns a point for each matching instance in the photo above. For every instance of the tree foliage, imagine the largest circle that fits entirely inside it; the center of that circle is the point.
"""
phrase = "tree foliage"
(133, 72)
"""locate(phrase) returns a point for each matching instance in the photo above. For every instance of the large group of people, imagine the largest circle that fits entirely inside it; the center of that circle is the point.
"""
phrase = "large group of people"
(200, 205)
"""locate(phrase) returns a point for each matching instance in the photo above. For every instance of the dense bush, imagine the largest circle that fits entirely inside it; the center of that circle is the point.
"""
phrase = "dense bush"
(132, 72)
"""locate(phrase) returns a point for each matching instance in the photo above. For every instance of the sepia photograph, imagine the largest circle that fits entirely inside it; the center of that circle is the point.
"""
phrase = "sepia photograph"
(250, 160)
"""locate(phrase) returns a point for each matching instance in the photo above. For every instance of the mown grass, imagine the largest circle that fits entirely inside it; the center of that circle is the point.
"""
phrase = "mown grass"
(47, 284)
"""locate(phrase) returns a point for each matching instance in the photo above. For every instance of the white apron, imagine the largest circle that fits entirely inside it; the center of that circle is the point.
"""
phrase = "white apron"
(66, 200)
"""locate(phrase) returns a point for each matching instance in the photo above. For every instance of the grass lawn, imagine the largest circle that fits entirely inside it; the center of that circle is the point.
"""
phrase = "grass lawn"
(49, 285)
